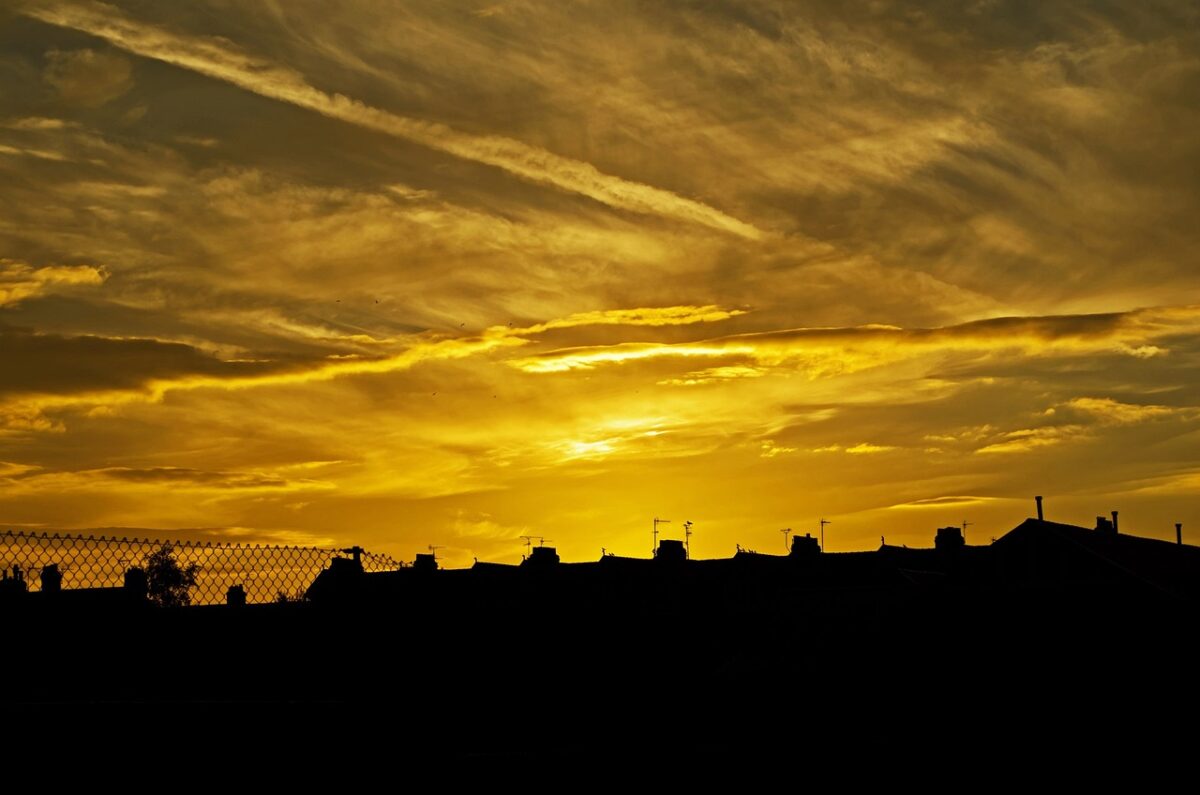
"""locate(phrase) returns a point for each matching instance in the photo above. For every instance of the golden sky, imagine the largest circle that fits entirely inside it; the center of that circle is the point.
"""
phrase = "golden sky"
(451, 273)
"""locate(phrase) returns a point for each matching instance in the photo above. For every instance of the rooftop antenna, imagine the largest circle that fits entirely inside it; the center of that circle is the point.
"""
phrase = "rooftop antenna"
(528, 543)
(823, 523)
(786, 532)
(657, 522)
(966, 524)
(542, 541)
(433, 548)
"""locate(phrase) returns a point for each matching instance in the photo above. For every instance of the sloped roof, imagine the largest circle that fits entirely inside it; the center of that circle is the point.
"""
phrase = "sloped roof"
(1156, 563)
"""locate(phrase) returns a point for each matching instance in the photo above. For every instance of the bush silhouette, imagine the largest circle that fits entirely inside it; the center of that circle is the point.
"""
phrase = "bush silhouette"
(167, 583)
(285, 598)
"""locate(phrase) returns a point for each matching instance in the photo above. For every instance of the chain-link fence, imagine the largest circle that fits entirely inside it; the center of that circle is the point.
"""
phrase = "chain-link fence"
(266, 573)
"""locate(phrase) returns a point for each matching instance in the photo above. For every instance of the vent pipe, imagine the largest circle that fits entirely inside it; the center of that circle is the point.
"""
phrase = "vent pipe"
(1116, 527)
(1039, 503)
(1179, 532)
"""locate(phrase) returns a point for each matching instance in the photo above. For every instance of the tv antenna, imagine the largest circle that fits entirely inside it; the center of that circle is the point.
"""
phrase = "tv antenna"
(529, 543)
(687, 537)
(433, 548)
(965, 525)
(787, 531)
(823, 523)
(657, 522)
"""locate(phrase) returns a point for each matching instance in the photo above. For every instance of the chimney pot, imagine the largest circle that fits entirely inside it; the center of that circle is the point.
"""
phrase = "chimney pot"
(1039, 506)
(1116, 527)
(1179, 532)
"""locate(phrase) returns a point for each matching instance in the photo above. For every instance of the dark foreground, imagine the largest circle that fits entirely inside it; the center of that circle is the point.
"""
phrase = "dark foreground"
(505, 665)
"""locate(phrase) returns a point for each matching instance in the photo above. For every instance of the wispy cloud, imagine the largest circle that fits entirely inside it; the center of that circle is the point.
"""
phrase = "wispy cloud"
(20, 280)
(944, 502)
(147, 370)
(1026, 439)
(88, 77)
(953, 501)
(862, 448)
(831, 351)
(219, 59)
(32, 479)
(713, 375)
(1114, 412)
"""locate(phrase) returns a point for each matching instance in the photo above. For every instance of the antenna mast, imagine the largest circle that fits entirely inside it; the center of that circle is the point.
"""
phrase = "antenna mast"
(529, 543)
(823, 523)
(657, 522)
(965, 525)
(687, 540)
(786, 532)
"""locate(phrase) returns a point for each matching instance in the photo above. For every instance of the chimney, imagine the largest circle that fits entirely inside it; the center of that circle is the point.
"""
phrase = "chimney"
(540, 557)
(1039, 503)
(236, 596)
(1116, 527)
(805, 546)
(1104, 525)
(949, 538)
(1179, 532)
(671, 550)
(51, 579)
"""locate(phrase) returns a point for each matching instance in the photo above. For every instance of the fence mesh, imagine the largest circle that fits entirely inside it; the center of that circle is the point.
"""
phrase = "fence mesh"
(267, 573)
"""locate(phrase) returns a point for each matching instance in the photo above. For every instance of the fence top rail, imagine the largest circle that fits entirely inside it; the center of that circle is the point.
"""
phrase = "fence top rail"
(186, 543)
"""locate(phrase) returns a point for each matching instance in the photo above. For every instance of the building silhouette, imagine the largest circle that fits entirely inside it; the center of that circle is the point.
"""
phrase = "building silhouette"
(1053, 628)
(1051, 557)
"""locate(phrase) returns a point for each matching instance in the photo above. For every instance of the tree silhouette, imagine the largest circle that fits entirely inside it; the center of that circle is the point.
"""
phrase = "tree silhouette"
(167, 583)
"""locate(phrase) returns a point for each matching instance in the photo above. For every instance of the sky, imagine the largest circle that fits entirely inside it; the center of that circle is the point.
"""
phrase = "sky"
(451, 274)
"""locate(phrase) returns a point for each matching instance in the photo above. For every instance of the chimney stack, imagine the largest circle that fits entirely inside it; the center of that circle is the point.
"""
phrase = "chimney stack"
(51, 579)
(1179, 532)
(540, 557)
(1116, 527)
(1039, 502)
(948, 538)
(805, 546)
